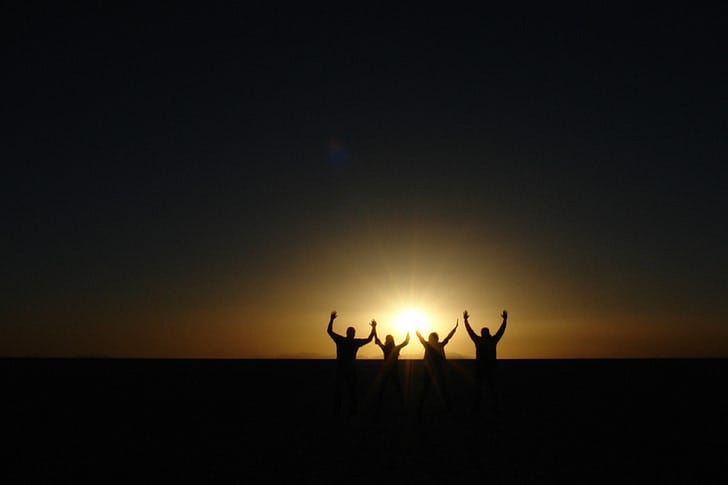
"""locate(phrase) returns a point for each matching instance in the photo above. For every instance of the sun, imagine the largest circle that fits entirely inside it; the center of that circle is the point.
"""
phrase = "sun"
(410, 320)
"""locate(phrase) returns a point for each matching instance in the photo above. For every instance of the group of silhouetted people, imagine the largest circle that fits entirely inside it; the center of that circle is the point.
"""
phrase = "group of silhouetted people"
(434, 363)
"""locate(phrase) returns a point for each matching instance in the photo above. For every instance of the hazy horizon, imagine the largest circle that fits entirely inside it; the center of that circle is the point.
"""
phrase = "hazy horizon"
(204, 182)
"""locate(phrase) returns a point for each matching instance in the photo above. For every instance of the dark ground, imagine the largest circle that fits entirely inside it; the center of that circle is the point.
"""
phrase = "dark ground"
(270, 421)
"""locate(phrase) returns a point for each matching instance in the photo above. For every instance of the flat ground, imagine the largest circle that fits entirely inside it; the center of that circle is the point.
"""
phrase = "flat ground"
(271, 421)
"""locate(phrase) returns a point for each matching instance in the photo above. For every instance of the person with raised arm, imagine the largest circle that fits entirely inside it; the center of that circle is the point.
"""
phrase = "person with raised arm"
(389, 371)
(434, 372)
(346, 348)
(485, 360)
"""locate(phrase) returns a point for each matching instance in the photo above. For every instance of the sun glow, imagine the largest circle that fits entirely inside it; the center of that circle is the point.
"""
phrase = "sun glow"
(411, 320)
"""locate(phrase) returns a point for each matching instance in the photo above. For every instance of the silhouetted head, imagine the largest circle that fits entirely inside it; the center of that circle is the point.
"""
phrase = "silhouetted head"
(350, 332)
(485, 332)
(389, 340)
(433, 338)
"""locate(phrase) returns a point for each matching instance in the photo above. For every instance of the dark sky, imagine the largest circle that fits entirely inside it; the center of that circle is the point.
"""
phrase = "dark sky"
(190, 180)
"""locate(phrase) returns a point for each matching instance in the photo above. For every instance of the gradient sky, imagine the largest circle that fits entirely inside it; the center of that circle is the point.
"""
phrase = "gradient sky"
(194, 181)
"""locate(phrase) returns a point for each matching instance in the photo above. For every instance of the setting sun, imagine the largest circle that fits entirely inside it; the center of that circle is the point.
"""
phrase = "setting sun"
(410, 320)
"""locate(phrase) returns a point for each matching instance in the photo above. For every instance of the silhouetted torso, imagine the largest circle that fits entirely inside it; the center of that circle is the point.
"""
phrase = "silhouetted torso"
(485, 345)
(391, 353)
(485, 352)
(346, 350)
(434, 355)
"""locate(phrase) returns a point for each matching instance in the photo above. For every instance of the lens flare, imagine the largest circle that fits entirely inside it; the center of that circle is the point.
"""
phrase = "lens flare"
(410, 320)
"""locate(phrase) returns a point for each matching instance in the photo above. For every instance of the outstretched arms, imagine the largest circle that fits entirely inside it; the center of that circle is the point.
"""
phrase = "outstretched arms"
(502, 327)
(419, 336)
(330, 328)
(406, 341)
(472, 334)
(452, 332)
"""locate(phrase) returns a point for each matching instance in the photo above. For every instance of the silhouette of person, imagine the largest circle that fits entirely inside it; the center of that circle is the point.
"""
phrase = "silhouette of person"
(485, 360)
(346, 348)
(435, 367)
(389, 371)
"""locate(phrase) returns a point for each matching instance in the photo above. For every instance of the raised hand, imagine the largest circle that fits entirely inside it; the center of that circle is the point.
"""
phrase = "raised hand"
(333, 314)
(504, 314)
(373, 323)
(465, 315)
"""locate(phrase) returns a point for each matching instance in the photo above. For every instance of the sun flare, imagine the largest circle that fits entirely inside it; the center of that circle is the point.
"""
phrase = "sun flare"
(410, 320)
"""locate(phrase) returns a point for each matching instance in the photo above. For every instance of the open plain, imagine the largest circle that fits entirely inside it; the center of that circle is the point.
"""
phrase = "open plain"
(271, 421)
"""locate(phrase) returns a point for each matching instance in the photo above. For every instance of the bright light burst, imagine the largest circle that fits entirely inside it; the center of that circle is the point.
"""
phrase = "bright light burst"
(410, 320)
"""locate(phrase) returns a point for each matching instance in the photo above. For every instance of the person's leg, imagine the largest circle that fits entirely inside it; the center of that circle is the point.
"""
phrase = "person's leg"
(338, 390)
(493, 388)
(477, 388)
(352, 394)
(443, 389)
(398, 387)
(381, 384)
(426, 383)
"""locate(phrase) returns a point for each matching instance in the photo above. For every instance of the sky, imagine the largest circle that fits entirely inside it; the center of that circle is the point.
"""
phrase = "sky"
(200, 181)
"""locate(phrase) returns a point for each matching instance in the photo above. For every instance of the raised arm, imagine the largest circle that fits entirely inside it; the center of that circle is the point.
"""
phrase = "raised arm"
(502, 327)
(422, 340)
(365, 341)
(377, 341)
(330, 328)
(452, 332)
(472, 334)
(406, 341)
